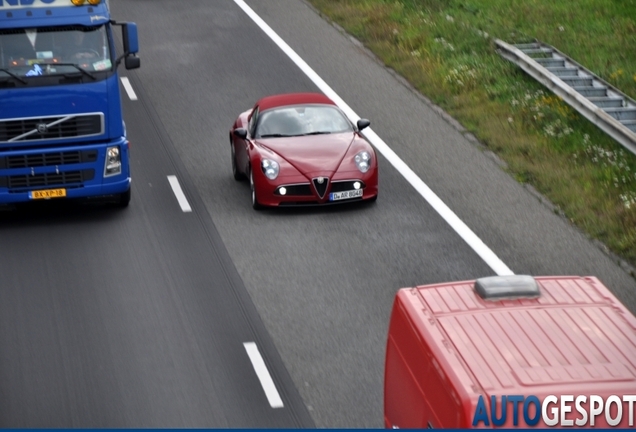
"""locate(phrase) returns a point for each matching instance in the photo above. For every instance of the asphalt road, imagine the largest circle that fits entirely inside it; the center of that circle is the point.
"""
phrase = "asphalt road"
(137, 318)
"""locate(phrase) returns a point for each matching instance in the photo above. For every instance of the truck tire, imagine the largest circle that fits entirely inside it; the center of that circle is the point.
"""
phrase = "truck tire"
(124, 199)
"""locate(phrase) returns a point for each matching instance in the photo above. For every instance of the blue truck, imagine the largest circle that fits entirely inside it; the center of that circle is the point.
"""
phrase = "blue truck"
(62, 133)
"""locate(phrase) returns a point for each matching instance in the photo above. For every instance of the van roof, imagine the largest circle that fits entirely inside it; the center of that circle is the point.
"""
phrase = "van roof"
(575, 337)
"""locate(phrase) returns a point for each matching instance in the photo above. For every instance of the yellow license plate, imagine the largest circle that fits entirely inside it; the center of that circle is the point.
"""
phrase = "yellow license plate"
(48, 193)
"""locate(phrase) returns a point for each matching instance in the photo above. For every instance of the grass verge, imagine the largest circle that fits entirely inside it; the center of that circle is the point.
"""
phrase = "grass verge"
(445, 49)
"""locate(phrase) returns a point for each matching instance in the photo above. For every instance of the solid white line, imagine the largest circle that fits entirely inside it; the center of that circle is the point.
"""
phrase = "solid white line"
(126, 83)
(451, 218)
(263, 375)
(176, 188)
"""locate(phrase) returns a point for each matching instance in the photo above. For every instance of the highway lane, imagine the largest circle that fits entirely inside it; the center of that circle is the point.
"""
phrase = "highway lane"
(323, 279)
(131, 318)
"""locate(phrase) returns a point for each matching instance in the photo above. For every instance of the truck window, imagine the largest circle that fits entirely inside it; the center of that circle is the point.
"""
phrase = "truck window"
(54, 50)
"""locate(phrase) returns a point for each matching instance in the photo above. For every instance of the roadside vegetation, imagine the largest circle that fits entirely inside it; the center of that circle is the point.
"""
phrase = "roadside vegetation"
(445, 49)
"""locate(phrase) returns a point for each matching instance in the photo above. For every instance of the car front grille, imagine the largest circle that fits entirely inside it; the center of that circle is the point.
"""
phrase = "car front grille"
(296, 190)
(346, 185)
(321, 184)
(304, 189)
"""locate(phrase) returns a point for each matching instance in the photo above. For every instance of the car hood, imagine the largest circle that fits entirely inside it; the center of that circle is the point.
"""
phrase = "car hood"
(311, 154)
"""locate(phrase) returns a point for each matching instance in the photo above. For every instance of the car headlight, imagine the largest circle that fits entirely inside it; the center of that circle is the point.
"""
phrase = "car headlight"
(363, 161)
(270, 168)
(113, 161)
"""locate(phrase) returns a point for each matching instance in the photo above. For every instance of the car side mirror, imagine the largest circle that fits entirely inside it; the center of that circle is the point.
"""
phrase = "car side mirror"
(363, 123)
(240, 132)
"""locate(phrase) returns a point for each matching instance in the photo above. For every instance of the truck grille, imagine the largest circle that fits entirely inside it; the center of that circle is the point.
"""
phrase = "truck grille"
(28, 181)
(48, 159)
(48, 128)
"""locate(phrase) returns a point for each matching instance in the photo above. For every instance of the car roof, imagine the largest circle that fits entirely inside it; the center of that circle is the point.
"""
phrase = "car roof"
(576, 337)
(275, 101)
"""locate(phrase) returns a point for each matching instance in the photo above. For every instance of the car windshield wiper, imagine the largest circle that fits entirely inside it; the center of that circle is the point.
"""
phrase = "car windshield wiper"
(275, 136)
(316, 133)
(81, 69)
(12, 75)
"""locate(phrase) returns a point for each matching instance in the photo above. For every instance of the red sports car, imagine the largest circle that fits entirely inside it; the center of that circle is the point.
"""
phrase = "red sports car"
(300, 149)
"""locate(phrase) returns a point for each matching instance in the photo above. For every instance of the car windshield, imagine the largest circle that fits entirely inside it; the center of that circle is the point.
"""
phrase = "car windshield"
(301, 120)
(26, 53)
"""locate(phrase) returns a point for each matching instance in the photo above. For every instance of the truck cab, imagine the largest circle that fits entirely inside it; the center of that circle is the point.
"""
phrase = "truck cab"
(62, 133)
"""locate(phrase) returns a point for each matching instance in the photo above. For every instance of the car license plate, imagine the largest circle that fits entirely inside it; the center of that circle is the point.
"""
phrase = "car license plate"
(47, 193)
(335, 196)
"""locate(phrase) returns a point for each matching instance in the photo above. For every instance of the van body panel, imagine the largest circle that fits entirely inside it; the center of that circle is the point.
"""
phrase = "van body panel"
(447, 346)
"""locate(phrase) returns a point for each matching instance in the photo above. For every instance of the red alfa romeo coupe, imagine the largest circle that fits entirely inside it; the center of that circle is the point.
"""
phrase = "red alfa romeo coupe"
(300, 149)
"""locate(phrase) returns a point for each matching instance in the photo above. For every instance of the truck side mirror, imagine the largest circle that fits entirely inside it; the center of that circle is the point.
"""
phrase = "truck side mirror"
(132, 62)
(131, 40)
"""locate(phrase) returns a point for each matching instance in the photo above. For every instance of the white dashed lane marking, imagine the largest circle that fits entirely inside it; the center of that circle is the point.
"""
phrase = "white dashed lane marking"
(176, 188)
(128, 87)
(263, 375)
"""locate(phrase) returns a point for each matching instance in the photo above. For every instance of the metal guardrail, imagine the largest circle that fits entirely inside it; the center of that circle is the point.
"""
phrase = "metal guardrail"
(598, 101)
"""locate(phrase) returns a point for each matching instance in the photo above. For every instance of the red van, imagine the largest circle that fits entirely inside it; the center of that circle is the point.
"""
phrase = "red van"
(510, 351)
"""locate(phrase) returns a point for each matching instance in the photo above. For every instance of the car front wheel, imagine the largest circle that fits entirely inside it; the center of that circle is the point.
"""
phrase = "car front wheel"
(255, 204)
(235, 172)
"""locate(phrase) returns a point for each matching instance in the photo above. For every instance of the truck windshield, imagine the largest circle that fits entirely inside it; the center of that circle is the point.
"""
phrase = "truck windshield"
(27, 53)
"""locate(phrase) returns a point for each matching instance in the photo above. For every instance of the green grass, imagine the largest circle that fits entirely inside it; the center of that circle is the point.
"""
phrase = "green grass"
(445, 49)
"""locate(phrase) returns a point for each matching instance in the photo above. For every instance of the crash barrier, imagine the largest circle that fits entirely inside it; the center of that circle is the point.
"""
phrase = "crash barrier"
(604, 105)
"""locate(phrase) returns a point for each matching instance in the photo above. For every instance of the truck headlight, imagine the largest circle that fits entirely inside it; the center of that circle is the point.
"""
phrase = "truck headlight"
(363, 161)
(270, 168)
(113, 161)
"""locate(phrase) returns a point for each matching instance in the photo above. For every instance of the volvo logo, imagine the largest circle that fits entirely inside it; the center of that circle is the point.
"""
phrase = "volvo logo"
(320, 180)
(42, 128)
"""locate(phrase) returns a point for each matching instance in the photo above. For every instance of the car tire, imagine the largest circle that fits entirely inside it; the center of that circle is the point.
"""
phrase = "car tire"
(255, 203)
(124, 198)
(235, 172)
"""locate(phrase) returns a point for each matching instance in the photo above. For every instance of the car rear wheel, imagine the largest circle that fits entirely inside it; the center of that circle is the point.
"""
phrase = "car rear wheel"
(255, 204)
(235, 172)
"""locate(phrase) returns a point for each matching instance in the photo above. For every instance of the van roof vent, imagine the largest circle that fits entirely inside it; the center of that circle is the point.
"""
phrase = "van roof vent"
(507, 287)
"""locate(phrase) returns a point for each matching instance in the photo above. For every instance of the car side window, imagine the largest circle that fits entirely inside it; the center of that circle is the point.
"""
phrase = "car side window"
(252, 122)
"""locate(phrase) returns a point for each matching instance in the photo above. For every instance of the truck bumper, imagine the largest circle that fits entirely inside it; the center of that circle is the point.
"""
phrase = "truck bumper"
(64, 172)
(86, 191)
